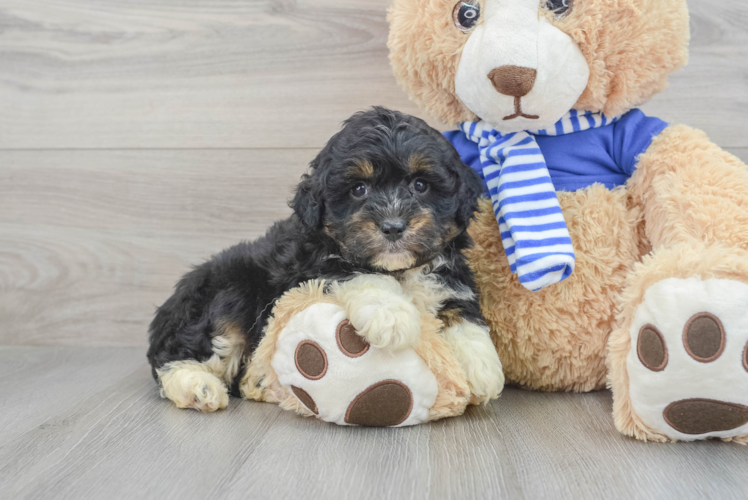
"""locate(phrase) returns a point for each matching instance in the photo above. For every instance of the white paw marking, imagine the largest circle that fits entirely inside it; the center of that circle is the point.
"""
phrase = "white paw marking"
(208, 394)
(392, 322)
(347, 377)
(191, 385)
(380, 311)
(707, 368)
(471, 345)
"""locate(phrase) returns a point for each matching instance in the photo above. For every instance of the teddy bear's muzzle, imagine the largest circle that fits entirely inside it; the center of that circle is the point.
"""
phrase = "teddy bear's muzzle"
(514, 81)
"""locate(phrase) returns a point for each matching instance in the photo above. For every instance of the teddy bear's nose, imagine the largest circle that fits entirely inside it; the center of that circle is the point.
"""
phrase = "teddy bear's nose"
(513, 81)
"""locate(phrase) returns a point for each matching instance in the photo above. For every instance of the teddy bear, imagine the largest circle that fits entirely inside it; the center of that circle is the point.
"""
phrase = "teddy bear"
(611, 248)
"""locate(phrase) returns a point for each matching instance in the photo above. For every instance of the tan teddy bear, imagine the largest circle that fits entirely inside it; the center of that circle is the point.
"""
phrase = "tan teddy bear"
(611, 248)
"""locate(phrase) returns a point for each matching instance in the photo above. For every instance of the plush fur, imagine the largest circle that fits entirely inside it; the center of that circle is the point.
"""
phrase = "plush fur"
(555, 338)
(631, 46)
(684, 213)
(383, 169)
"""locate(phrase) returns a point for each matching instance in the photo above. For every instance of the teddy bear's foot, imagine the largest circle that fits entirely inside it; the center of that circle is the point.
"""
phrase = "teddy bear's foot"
(688, 362)
(339, 377)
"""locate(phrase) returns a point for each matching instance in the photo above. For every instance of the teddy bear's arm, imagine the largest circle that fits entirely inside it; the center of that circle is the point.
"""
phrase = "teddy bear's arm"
(690, 189)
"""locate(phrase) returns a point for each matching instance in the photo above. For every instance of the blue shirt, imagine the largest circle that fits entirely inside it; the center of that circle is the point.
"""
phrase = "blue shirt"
(608, 155)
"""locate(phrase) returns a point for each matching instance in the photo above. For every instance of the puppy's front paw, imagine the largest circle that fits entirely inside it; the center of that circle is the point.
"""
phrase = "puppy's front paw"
(487, 380)
(391, 322)
(471, 345)
(380, 312)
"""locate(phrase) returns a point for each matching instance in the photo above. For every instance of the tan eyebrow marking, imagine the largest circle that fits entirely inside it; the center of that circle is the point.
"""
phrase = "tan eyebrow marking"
(417, 163)
(363, 168)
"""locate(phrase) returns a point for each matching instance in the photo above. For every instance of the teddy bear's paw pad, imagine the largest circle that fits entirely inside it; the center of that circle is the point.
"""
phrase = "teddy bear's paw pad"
(701, 416)
(688, 369)
(323, 361)
(306, 399)
(311, 360)
(349, 342)
(384, 404)
(651, 348)
(704, 337)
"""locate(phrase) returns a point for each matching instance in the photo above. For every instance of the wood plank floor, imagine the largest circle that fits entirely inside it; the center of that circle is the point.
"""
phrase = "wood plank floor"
(242, 73)
(139, 137)
(106, 434)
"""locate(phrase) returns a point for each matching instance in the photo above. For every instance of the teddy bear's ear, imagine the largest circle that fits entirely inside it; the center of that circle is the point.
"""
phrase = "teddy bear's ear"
(631, 48)
(308, 203)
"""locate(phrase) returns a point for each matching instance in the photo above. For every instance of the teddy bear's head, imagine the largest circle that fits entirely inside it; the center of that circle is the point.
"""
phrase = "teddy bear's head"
(523, 64)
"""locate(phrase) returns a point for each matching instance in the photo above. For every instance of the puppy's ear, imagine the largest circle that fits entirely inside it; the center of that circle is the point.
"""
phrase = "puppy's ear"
(308, 203)
(471, 188)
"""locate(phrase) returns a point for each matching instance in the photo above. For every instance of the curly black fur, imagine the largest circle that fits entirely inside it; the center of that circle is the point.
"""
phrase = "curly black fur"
(334, 235)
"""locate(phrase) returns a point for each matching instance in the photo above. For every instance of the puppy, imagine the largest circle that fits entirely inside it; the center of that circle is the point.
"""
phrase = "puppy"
(385, 211)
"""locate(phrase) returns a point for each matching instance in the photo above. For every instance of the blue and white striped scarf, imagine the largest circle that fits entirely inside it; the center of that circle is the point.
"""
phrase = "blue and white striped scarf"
(533, 231)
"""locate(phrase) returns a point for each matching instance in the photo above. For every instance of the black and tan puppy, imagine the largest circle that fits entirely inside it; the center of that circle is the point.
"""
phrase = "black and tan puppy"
(385, 209)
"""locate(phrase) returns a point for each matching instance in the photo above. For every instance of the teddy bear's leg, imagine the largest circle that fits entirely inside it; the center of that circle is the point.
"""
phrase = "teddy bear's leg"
(312, 360)
(472, 347)
(677, 360)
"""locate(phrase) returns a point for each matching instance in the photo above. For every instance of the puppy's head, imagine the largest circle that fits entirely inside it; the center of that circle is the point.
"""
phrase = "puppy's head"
(389, 190)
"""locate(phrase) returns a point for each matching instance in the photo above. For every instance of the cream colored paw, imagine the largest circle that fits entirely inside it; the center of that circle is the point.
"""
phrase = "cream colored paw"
(472, 347)
(688, 364)
(380, 312)
(191, 385)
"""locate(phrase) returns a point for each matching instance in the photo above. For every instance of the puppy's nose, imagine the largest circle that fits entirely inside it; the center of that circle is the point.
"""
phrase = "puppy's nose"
(513, 81)
(393, 229)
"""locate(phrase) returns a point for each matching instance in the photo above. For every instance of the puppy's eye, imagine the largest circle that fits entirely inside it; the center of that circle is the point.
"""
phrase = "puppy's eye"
(359, 190)
(420, 186)
(466, 14)
(559, 8)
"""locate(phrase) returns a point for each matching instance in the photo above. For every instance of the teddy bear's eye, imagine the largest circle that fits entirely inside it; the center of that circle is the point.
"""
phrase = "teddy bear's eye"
(466, 14)
(559, 8)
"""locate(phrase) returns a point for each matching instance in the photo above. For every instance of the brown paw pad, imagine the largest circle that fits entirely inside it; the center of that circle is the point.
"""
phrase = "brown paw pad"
(349, 342)
(305, 398)
(701, 416)
(704, 337)
(311, 360)
(383, 404)
(651, 348)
